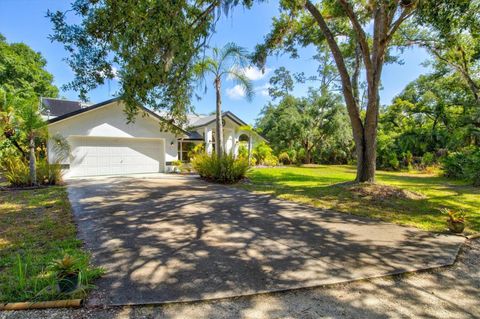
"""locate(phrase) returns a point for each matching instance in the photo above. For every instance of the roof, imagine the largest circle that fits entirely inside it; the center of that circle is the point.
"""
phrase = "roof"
(59, 107)
(211, 118)
(75, 108)
(82, 110)
(104, 103)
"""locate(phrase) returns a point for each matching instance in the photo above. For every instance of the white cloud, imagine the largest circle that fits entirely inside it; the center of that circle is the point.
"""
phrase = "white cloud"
(253, 73)
(236, 93)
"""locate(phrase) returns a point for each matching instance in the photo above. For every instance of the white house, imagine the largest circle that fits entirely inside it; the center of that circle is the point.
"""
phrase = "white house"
(102, 143)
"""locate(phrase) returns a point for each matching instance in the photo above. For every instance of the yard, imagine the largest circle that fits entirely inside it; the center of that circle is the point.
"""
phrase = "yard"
(36, 228)
(327, 187)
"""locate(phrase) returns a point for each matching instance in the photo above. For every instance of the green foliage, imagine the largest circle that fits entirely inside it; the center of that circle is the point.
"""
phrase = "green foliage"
(263, 154)
(270, 160)
(49, 174)
(284, 158)
(225, 169)
(281, 83)
(177, 163)
(243, 150)
(17, 172)
(428, 159)
(67, 265)
(464, 164)
(153, 44)
(37, 228)
(24, 70)
(315, 127)
(327, 187)
(196, 150)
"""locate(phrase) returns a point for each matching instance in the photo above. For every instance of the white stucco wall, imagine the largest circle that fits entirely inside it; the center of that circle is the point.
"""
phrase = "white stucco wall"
(231, 134)
(110, 121)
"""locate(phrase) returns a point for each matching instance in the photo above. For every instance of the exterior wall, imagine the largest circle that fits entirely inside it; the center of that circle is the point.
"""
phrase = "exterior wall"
(110, 121)
(231, 136)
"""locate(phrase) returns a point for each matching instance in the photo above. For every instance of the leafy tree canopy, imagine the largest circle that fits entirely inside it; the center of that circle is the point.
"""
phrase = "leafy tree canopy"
(22, 70)
(152, 44)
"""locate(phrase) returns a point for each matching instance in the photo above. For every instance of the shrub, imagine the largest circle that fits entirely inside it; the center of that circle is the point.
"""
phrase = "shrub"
(270, 160)
(243, 150)
(49, 174)
(196, 150)
(464, 165)
(293, 155)
(16, 171)
(261, 151)
(284, 158)
(301, 156)
(226, 169)
(428, 159)
(177, 163)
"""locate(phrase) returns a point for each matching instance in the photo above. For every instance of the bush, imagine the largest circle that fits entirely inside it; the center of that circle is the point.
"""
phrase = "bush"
(196, 150)
(177, 163)
(243, 150)
(49, 174)
(463, 165)
(270, 160)
(293, 155)
(301, 156)
(284, 158)
(17, 172)
(226, 169)
(428, 159)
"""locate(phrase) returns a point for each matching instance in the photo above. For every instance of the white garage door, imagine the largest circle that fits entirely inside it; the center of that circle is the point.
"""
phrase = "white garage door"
(115, 156)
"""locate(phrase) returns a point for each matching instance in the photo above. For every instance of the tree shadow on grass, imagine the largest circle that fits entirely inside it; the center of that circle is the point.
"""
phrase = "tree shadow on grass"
(330, 192)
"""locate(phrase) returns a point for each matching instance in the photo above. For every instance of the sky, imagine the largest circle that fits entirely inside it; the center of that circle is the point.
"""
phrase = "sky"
(25, 21)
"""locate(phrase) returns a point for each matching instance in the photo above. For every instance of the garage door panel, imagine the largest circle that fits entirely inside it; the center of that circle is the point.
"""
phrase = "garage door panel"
(111, 156)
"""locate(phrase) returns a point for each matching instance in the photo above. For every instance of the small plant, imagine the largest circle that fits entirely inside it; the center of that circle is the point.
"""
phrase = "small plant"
(455, 220)
(67, 272)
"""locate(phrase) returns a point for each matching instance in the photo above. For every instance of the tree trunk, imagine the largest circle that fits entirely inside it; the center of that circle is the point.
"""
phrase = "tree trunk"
(32, 161)
(219, 126)
(249, 149)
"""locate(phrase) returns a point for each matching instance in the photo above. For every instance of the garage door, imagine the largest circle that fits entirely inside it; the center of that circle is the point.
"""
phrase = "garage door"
(115, 156)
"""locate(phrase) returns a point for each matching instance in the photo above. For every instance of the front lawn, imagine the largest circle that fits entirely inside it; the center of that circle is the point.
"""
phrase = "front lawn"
(321, 186)
(36, 228)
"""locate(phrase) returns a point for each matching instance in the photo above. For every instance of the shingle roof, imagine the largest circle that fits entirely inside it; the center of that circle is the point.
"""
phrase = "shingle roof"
(58, 107)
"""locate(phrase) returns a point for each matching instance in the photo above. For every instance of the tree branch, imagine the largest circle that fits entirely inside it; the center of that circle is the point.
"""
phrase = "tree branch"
(361, 35)
(352, 106)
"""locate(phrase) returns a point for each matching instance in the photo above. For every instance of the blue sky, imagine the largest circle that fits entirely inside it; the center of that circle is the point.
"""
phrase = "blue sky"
(24, 21)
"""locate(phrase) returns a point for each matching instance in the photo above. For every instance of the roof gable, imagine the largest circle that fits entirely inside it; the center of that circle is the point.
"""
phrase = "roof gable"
(105, 103)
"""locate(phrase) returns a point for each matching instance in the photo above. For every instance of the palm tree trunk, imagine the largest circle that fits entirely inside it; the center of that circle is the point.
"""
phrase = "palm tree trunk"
(219, 126)
(249, 149)
(32, 160)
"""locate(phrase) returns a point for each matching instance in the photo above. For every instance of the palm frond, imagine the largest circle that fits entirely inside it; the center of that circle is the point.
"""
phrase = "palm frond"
(237, 55)
(245, 83)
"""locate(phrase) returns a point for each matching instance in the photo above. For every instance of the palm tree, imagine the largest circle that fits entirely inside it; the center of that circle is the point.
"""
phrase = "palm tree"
(229, 61)
(32, 125)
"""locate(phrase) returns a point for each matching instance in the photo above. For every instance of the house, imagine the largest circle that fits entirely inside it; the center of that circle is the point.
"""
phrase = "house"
(102, 143)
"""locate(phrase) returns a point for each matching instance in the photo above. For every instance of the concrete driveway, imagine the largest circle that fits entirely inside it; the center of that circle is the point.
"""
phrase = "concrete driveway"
(167, 239)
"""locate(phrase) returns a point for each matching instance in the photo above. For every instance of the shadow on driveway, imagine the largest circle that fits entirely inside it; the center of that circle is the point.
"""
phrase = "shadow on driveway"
(180, 239)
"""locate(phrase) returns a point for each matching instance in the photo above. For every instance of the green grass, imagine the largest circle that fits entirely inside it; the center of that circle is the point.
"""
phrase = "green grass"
(320, 186)
(36, 228)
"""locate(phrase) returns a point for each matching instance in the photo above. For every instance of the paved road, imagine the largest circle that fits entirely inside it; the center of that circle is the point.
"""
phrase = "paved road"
(165, 239)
